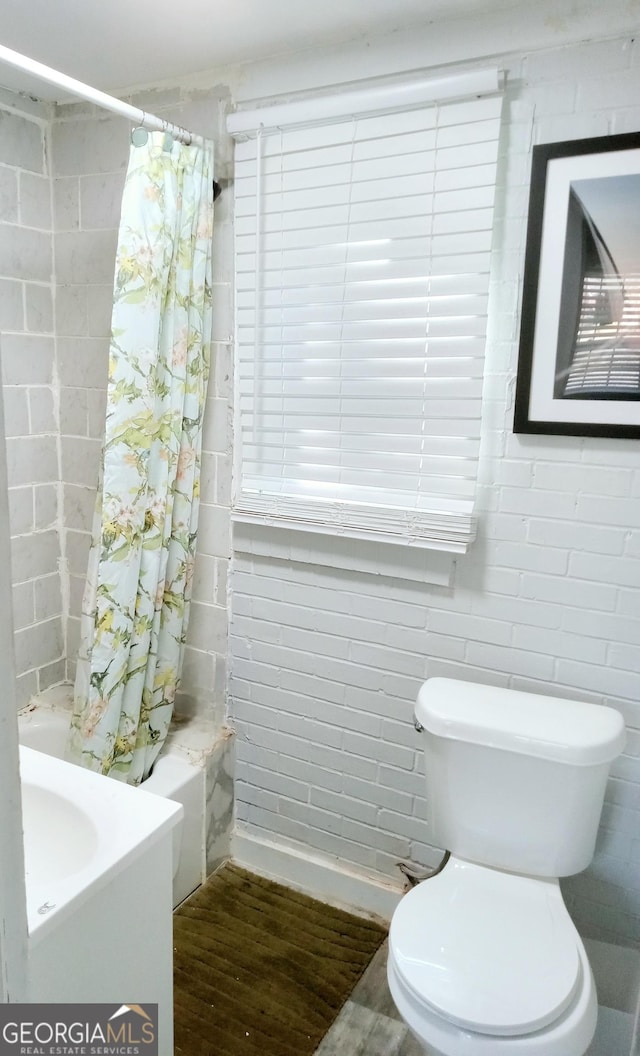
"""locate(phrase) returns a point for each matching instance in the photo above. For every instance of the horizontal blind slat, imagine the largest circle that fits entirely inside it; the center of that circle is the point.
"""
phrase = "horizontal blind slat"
(384, 309)
(397, 500)
(382, 406)
(482, 180)
(431, 286)
(343, 331)
(431, 354)
(449, 254)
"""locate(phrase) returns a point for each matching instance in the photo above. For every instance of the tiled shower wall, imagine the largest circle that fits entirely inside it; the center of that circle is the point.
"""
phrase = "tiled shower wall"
(27, 349)
(61, 176)
(89, 158)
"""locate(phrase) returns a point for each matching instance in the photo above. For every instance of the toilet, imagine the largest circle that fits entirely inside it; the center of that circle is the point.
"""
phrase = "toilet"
(484, 959)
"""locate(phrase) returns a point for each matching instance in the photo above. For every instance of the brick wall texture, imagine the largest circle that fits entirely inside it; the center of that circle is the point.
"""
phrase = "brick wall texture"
(326, 663)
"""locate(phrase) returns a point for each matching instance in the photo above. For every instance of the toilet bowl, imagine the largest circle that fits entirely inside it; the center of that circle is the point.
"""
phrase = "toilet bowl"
(489, 963)
(484, 959)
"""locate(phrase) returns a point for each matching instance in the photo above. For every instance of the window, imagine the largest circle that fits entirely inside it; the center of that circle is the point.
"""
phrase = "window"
(362, 250)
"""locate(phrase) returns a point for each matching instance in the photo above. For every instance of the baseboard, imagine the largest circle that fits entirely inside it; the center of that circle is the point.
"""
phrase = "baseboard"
(316, 876)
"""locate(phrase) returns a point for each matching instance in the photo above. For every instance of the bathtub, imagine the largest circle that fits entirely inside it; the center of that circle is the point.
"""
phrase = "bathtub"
(43, 726)
(98, 872)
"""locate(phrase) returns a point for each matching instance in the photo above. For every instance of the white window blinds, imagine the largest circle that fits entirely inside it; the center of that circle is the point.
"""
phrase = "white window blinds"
(362, 249)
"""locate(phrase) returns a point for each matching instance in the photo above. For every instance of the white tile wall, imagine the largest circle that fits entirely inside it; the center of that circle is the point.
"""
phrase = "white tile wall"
(89, 149)
(326, 663)
(27, 348)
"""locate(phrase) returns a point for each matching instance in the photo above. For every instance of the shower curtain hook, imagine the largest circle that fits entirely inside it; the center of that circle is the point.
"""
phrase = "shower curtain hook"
(168, 141)
(139, 135)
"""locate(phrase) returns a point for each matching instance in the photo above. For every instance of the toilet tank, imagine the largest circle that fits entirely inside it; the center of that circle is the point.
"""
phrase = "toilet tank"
(515, 780)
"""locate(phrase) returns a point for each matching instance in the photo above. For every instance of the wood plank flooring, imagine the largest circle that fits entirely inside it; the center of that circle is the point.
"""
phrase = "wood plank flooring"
(368, 1024)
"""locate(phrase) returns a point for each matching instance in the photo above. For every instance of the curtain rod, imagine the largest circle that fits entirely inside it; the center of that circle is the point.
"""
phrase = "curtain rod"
(93, 95)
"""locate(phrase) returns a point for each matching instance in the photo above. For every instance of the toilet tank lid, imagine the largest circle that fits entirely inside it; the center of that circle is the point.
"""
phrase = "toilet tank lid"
(569, 731)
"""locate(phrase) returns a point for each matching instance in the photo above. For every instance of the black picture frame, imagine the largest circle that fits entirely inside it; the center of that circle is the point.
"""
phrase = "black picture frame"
(579, 355)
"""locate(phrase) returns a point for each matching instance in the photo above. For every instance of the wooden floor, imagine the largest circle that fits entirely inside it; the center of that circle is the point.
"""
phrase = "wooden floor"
(368, 1024)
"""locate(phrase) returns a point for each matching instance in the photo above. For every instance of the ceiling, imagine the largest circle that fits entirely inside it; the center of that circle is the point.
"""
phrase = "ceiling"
(119, 44)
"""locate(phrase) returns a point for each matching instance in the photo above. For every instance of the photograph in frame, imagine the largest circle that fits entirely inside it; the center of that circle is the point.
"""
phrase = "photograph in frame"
(579, 356)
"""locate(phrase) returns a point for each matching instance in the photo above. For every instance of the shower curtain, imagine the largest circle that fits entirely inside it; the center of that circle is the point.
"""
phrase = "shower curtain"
(136, 603)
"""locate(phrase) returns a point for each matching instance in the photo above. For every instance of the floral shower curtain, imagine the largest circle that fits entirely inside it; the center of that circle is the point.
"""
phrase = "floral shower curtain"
(138, 589)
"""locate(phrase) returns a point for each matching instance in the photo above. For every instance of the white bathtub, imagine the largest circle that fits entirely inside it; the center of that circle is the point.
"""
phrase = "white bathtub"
(98, 870)
(43, 726)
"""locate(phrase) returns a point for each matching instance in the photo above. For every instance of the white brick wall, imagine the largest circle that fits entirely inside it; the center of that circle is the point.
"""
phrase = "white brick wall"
(326, 663)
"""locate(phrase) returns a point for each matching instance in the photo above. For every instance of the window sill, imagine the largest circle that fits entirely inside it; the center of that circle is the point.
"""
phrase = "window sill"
(392, 560)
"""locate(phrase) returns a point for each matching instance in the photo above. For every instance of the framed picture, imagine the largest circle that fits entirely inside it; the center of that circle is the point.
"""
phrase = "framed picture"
(579, 359)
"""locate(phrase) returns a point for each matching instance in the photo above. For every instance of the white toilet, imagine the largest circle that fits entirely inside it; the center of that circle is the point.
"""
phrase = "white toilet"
(484, 959)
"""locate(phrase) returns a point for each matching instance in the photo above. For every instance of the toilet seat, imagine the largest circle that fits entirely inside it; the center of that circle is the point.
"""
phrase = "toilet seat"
(570, 1035)
(491, 952)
